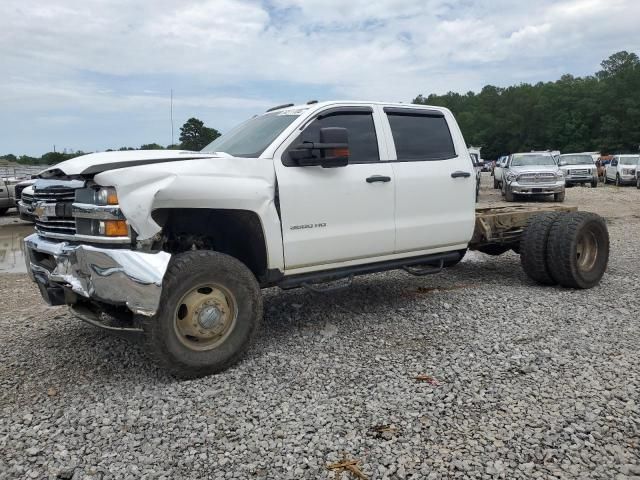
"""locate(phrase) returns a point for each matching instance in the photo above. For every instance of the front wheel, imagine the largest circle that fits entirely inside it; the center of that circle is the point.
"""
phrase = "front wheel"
(559, 197)
(496, 184)
(508, 194)
(617, 180)
(594, 183)
(638, 183)
(210, 310)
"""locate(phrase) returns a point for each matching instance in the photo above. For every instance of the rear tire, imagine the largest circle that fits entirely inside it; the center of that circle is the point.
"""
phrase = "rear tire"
(182, 337)
(638, 183)
(533, 247)
(578, 249)
(559, 197)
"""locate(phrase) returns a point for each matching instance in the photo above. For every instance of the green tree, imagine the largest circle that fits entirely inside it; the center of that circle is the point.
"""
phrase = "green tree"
(195, 136)
(593, 113)
(151, 146)
(617, 63)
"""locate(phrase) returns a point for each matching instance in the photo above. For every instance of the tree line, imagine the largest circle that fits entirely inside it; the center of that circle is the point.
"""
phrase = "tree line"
(600, 112)
(194, 135)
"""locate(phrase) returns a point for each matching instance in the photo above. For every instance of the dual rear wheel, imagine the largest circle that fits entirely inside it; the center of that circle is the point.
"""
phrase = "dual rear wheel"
(568, 249)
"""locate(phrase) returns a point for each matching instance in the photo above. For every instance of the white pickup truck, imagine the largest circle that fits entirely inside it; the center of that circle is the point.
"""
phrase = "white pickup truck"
(176, 245)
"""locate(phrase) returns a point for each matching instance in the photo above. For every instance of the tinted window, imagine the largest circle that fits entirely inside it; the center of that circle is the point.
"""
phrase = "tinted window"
(421, 137)
(363, 143)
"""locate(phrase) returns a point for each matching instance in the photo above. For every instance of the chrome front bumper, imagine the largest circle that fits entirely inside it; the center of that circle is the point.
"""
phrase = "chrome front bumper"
(537, 189)
(112, 276)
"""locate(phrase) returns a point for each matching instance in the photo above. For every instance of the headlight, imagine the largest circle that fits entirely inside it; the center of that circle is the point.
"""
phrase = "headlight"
(559, 175)
(512, 176)
(106, 196)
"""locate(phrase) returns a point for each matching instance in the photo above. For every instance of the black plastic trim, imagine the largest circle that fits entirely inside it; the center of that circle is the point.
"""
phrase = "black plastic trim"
(415, 112)
(293, 281)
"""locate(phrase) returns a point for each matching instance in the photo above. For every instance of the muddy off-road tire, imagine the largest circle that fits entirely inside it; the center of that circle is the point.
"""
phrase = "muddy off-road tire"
(578, 249)
(210, 311)
(559, 197)
(533, 247)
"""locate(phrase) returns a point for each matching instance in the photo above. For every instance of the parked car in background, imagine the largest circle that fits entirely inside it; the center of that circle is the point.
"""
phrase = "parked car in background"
(6, 199)
(622, 170)
(25, 205)
(578, 169)
(534, 173)
(474, 153)
(497, 171)
(19, 188)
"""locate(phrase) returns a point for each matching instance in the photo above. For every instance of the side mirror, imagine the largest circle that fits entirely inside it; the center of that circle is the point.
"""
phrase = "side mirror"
(333, 149)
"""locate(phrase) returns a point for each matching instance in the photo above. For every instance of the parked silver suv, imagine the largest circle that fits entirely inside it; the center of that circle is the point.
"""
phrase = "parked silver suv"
(578, 169)
(534, 173)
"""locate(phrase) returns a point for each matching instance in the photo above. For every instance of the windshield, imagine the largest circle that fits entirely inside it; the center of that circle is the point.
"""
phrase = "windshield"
(629, 160)
(524, 160)
(251, 138)
(576, 160)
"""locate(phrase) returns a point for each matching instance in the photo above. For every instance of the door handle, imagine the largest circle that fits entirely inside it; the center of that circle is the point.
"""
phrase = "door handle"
(460, 174)
(378, 178)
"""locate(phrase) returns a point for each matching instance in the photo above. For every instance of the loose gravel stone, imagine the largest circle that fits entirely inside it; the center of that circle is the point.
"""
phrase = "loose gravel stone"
(532, 382)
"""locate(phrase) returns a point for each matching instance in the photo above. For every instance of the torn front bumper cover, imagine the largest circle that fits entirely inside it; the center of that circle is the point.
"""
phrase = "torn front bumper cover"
(112, 276)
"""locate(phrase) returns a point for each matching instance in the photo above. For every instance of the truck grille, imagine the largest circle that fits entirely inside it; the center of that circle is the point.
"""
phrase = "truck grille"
(26, 198)
(64, 226)
(536, 178)
(578, 172)
(58, 200)
(55, 195)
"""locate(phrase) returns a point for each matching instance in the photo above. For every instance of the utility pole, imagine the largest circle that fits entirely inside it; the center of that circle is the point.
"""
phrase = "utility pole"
(172, 116)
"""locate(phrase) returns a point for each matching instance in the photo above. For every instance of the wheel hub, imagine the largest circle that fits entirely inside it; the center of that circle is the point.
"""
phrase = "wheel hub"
(209, 317)
(205, 316)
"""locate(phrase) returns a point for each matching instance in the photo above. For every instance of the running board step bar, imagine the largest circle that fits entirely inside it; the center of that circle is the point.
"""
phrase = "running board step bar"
(340, 274)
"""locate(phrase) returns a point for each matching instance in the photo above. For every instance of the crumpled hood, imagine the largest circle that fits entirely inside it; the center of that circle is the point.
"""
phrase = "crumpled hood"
(94, 163)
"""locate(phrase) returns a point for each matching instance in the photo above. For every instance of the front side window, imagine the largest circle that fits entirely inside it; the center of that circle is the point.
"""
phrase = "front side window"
(420, 137)
(363, 142)
(251, 138)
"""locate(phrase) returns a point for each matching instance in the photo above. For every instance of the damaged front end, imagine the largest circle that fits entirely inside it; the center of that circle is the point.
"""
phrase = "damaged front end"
(83, 251)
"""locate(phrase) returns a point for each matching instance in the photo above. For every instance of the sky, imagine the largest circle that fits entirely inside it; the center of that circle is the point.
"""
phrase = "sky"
(90, 75)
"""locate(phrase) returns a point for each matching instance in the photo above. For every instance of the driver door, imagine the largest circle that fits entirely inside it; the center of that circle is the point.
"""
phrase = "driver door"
(337, 215)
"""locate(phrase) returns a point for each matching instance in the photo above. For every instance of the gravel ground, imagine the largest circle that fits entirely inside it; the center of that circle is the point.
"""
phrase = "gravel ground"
(523, 381)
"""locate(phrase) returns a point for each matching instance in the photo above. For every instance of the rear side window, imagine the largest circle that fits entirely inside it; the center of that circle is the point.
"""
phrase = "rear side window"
(363, 143)
(420, 136)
